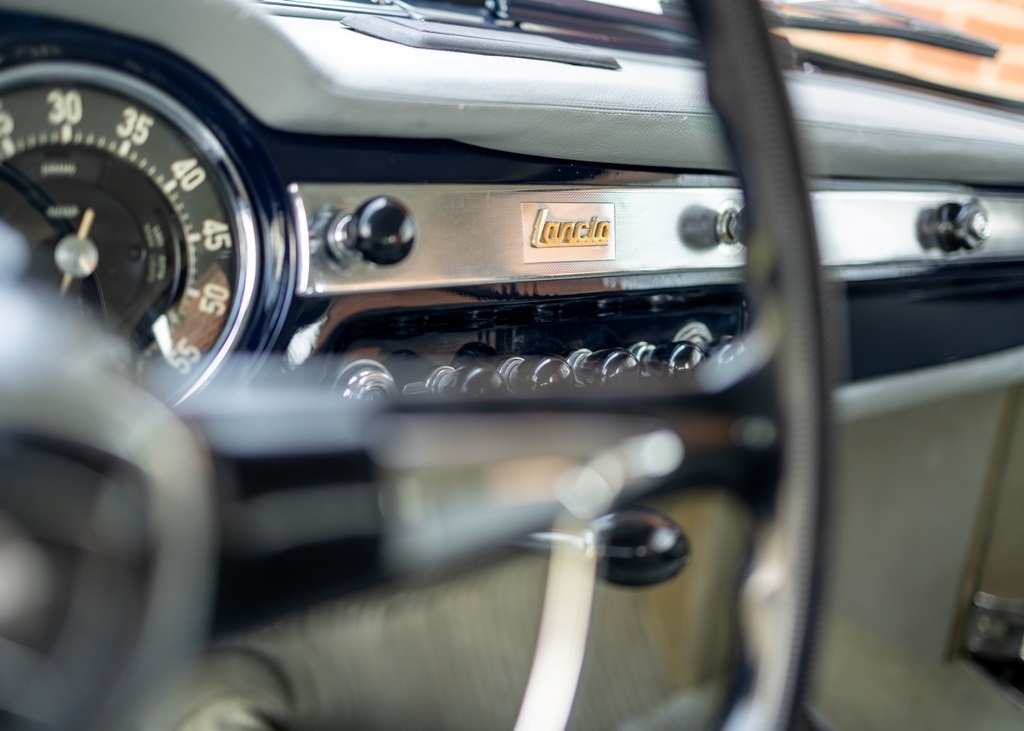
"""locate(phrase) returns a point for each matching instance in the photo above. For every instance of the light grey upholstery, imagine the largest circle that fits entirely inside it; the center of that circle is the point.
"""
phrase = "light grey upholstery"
(453, 655)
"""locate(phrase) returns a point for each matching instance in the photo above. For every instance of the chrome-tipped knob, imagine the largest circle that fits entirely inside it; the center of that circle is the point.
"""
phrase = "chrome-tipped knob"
(365, 380)
(603, 366)
(536, 374)
(673, 359)
(472, 381)
(380, 231)
(954, 226)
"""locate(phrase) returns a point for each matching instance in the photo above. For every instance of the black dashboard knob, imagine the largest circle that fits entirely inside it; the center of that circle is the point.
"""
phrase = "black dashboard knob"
(698, 227)
(640, 547)
(705, 228)
(954, 226)
(381, 230)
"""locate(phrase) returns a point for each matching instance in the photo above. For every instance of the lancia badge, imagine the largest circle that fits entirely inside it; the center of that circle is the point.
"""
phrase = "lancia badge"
(557, 232)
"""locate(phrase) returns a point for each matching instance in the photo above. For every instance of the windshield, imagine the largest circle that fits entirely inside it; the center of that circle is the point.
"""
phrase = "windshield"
(1001, 76)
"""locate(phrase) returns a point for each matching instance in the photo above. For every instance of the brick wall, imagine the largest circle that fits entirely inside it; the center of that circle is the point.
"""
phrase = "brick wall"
(999, 20)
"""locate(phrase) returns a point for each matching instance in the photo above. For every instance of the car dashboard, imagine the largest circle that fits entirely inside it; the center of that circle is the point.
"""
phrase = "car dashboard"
(311, 203)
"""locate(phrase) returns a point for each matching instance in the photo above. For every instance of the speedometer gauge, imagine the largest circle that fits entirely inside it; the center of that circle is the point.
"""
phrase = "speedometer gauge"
(133, 212)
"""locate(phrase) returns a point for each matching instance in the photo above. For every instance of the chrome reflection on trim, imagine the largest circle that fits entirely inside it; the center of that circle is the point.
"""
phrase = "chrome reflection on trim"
(474, 234)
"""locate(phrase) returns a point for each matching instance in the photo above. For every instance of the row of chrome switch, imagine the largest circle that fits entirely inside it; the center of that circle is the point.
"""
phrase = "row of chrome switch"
(370, 380)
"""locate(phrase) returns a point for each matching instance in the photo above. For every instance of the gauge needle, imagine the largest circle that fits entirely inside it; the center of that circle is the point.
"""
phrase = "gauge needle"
(76, 255)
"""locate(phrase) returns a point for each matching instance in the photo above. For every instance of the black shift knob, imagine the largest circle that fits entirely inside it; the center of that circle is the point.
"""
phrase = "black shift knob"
(640, 547)
(382, 230)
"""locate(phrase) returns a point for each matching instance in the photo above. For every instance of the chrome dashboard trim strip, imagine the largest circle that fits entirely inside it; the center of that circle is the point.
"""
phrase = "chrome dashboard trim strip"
(879, 227)
(303, 254)
(473, 234)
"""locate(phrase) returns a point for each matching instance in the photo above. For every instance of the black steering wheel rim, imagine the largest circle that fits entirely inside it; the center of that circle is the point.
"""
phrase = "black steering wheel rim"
(748, 92)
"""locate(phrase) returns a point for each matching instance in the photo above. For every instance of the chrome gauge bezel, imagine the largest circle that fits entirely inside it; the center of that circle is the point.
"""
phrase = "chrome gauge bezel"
(230, 186)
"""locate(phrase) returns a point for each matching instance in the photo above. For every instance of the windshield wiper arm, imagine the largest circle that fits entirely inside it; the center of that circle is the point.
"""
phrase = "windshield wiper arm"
(670, 15)
(839, 16)
(670, 28)
(865, 18)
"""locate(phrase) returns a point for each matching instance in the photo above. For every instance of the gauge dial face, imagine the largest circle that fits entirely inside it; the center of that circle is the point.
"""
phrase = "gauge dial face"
(132, 212)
